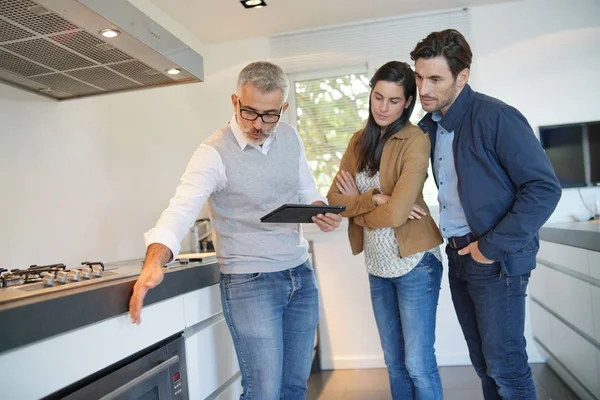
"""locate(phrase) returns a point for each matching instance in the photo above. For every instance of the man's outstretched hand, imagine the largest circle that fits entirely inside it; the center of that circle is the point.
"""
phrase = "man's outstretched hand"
(152, 275)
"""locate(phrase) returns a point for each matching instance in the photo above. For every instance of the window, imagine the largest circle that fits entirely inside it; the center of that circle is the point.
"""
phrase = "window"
(430, 190)
(328, 110)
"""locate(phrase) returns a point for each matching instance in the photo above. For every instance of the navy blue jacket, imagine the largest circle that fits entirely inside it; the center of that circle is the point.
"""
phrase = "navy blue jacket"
(506, 184)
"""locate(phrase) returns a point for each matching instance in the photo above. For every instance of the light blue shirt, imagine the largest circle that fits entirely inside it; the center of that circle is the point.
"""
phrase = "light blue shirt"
(453, 221)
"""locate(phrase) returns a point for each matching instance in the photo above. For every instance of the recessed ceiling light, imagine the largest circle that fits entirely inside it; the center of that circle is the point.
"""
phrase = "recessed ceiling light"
(253, 3)
(109, 33)
(173, 71)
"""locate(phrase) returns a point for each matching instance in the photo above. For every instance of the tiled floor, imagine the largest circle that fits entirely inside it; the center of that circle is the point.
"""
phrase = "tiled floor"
(459, 383)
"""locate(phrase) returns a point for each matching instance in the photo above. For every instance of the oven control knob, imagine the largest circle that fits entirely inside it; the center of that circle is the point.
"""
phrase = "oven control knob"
(86, 273)
(48, 278)
(97, 271)
(61, 276)
(74, 275)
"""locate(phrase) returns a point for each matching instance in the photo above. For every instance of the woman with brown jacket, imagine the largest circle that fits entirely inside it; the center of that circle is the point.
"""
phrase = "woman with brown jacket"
(381, 176)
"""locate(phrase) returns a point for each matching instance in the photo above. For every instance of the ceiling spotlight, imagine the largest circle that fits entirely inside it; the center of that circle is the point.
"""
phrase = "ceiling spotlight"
(173, 71)
(109, 33)
(253, 3)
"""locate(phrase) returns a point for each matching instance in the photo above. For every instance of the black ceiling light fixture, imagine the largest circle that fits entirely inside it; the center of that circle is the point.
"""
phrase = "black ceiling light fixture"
(253, 3)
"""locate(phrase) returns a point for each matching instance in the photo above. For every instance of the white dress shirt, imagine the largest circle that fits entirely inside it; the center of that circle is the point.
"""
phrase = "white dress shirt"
(206, 174)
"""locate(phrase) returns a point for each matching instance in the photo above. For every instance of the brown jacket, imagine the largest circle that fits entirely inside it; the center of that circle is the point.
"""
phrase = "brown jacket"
(402, 173)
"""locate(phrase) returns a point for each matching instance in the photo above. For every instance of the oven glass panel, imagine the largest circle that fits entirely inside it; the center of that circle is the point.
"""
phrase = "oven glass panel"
(151, 394)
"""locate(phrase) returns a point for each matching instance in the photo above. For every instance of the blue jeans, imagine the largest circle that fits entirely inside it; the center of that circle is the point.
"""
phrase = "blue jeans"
(491, 310)
(405, 309)
(272, 318)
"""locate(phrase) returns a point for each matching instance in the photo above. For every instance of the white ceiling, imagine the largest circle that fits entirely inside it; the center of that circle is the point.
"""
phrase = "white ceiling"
(215, 21)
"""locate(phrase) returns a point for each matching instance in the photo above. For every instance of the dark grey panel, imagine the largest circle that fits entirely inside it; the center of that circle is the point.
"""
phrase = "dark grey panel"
(41, 317)
(585, 239)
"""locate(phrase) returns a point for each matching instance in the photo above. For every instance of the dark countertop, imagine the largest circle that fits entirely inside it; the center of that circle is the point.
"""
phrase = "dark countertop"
(585, 235)
(35, 318)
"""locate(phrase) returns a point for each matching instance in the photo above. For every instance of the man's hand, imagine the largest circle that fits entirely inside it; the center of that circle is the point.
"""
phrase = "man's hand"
(149, 279)
(152, 275)
(326, 222)
(346, 184)
(417, 212)
(473, 249)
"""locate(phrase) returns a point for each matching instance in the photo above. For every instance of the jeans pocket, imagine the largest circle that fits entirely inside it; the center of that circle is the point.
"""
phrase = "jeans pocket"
(424, 263)
(308, 265)
(474, 268)
(231, 280)
(475, 262)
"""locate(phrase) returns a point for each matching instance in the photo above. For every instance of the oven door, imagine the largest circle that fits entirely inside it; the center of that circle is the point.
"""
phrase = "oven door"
(159, 375)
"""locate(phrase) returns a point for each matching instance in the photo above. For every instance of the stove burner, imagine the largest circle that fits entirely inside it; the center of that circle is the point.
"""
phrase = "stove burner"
(50, 274)
(7, 279)
(33, 274)
(91, 264)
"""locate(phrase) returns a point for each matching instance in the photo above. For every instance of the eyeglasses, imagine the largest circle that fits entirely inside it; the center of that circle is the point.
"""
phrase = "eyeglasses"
(250, 115)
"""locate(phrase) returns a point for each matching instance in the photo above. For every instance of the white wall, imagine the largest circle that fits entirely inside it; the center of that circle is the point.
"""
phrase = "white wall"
(83, 179)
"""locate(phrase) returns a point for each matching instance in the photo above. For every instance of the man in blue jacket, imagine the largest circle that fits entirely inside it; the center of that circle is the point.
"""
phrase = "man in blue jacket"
(496, 189)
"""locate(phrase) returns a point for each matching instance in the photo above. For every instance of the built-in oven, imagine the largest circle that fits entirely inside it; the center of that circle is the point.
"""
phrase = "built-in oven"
(159, 373)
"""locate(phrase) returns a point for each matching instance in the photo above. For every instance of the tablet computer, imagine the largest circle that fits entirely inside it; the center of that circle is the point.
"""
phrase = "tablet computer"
(299, 213)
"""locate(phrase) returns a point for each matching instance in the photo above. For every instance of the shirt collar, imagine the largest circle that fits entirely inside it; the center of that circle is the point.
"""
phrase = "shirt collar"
(457, 110)
(241, 139)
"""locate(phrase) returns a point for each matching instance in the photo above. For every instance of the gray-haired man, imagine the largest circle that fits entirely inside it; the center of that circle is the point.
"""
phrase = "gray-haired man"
(249, 167)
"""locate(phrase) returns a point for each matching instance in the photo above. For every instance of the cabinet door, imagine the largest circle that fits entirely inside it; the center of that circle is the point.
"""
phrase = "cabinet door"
(233, 391)
(201, 304)
(211, 359)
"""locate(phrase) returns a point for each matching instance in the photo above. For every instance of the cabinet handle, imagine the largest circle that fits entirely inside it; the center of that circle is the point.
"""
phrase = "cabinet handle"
(145, 376)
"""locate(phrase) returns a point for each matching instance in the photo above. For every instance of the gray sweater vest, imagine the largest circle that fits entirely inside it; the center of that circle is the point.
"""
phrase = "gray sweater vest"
(256, 184)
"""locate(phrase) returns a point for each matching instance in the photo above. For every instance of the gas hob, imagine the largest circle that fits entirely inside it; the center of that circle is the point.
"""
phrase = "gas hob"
(17, 284)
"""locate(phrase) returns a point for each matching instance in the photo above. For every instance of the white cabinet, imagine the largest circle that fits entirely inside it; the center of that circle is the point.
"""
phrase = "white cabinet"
(565, 314)
(233, 391)
(63, 359)
(201, 304)
(210, 355)
(570, 257)
(594, 258)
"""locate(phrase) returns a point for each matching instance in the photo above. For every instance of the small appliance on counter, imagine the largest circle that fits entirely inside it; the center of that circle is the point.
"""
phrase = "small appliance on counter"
(199, 239)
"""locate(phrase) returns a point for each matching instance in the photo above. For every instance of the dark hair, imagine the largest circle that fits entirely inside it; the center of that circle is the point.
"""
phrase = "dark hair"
(449, 43)
(370, 145)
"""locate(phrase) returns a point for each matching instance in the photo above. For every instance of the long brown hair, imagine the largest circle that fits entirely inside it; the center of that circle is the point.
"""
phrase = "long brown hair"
(370, 145)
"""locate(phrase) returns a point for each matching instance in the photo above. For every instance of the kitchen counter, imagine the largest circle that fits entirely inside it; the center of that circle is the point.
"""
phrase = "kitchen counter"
(585, 235)
(31, 319)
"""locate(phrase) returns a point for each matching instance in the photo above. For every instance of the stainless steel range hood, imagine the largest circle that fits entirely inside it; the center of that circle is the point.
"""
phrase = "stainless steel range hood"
(55, 48)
